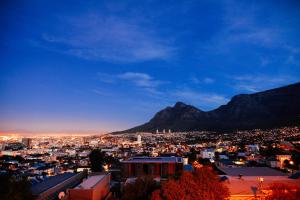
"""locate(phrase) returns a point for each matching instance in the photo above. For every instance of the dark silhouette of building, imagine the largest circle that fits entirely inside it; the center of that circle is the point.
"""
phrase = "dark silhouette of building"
(27, 142)
(161, 167)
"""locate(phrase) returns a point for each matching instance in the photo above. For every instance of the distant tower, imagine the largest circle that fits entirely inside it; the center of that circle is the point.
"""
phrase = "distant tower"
(139, 139)
(157, 131)
(27, 142)
(164, 131)
(169, 130)
(85, 140)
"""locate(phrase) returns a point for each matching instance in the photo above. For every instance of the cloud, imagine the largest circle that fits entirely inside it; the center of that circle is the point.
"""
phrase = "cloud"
(264, 61)
(96, 37)
(256, 83)
(291, 60)
(201, 99)
(195, 80)
(243, 26)
(101, 92)
(206, 80)
(140, 80)
(152, 87)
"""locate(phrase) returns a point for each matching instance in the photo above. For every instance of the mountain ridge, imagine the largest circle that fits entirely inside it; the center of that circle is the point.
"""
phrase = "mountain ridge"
(266, 109)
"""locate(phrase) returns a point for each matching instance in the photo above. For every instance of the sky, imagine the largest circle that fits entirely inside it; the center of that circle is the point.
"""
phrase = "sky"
(111, 65)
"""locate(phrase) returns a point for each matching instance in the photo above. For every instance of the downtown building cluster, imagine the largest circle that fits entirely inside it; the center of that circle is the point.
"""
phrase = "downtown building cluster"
(59, 166)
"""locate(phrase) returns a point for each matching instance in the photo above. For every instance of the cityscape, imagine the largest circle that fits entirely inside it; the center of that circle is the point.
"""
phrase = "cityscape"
(55, 164)
(150, 100)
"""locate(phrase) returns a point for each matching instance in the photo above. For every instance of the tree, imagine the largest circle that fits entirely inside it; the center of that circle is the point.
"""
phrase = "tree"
(156, 195)
(204, 161)
(97, 158)
(201, 184)
(141, 189)
(12, 189)
(193, 155)
(281, 191)
(110, 160)
(286, 164)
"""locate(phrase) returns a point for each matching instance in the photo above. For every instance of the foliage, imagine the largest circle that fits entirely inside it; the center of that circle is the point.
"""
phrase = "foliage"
(281, 191)
(202, 184)
(97, 158)
(193, 155)
(141, 189)
(296, 159)
(12, 189)
(270, 151)
(205, 162)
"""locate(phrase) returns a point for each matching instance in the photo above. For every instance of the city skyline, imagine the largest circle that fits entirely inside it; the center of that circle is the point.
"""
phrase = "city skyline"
(106, 66)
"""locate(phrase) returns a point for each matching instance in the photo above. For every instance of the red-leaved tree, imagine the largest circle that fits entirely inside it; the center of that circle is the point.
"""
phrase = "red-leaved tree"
(281, 191)
(202, 184)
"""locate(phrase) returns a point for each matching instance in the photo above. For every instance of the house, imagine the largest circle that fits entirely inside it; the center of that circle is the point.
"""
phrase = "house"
(282, 158)
(247, 183)
(207, 153)
(96, 187)
(161, 167)
(273, 163)
(51, 187)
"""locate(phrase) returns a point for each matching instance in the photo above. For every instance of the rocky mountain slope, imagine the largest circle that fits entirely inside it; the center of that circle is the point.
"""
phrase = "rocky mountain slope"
(268, 109)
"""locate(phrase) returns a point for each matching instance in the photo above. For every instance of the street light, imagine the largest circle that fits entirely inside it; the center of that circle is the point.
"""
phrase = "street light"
(292, 163)
(260, 180)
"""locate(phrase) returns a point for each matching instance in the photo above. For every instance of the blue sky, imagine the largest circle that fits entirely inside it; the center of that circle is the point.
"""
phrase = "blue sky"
(110, 65)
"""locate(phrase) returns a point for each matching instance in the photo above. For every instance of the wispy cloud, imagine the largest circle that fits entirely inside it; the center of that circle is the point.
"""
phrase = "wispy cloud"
(256, 83)
(153, 87)
(139, 80)
(101, 92)
(291, 60)
(96, 37)
(264, 61)
(206, 80)
(242, 25)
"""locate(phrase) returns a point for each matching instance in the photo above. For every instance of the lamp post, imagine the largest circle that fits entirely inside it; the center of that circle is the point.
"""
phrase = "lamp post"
(292, 166)
(261, 180)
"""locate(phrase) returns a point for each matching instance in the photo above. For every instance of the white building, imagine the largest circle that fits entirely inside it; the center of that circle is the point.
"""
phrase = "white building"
(94, 188)
(207, 153)
(139, 139)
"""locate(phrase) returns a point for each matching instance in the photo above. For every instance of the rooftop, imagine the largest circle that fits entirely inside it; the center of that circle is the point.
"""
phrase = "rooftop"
(50, 182)
(154, 160)
(90, 182)
(250, 184)
(251, 171)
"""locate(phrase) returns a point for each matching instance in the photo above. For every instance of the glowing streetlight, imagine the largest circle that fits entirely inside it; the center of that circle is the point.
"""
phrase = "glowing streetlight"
(292, 163)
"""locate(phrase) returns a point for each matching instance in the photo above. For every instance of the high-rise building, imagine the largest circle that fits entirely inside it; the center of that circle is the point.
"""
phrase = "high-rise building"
(154, 166)
(139, 139)
(27, 142)
(93, 188)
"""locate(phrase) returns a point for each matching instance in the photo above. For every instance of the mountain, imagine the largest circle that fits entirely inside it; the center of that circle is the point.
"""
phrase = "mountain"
(268, 109)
